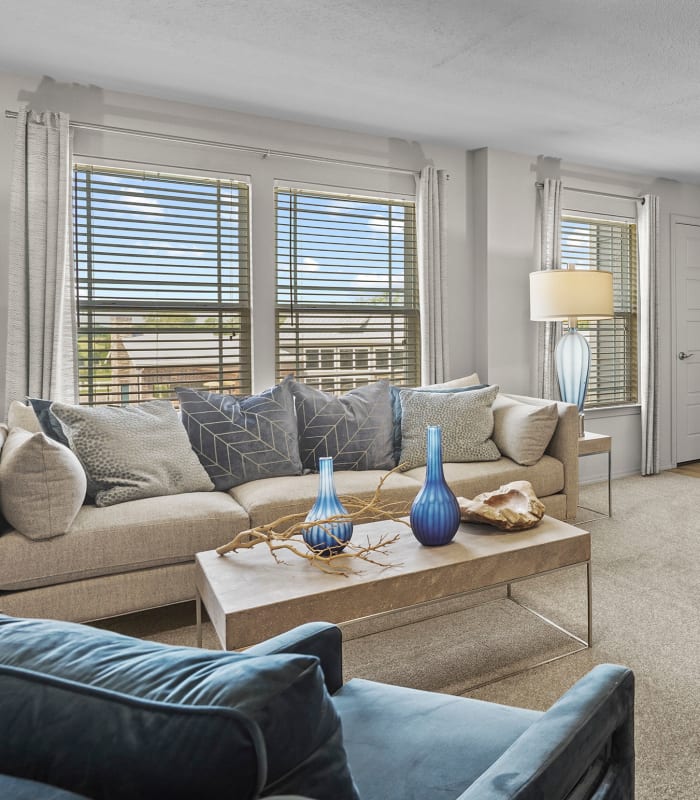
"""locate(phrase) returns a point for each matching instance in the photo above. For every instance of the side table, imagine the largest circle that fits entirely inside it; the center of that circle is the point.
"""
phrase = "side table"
(591, 444)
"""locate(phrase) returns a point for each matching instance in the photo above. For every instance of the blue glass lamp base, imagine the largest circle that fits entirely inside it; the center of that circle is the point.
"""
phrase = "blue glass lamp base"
(573, 360)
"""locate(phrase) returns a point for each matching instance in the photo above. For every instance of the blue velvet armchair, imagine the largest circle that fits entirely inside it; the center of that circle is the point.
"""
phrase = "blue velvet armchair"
(107, 716)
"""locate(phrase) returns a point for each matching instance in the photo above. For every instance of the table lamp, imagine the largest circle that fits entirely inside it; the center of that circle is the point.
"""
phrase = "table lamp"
(561, 295)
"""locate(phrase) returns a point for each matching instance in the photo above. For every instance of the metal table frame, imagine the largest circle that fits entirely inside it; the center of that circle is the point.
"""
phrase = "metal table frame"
(597, 444)
(583, 644)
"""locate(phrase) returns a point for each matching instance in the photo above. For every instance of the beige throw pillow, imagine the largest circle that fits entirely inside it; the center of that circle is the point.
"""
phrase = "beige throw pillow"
(21, 416)
(457, 383)
(465, 418)
(42, 485)
(522, 431)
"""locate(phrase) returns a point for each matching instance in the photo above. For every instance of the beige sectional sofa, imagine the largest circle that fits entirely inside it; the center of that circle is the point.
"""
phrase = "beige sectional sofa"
(140, 554)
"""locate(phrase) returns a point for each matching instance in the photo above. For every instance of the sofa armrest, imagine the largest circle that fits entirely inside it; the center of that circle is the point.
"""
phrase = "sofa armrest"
(563, 446)
(321, 639)
(583, 747)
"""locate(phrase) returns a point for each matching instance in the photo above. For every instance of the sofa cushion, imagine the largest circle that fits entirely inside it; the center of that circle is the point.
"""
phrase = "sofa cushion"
(439, 744)
(240, 439)
(522, 431)
(355, 430)
(181, 715)
(131, 536)
(470, 479)
(267, 500)
(42, 485)
(132, 452)
(466, 420)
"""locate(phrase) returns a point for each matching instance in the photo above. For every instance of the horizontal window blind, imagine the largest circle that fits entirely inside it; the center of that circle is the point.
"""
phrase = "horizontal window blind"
(347, 289)
(612, 246)
(162, 277)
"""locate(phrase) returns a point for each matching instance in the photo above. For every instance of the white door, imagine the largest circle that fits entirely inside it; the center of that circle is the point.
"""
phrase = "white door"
(687, 263)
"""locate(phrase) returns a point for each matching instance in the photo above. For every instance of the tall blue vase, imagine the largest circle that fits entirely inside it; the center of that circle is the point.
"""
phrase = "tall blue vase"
(434, 514)
(331, 537)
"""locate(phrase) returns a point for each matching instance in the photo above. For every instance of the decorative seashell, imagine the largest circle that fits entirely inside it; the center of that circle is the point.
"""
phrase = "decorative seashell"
(512, 507)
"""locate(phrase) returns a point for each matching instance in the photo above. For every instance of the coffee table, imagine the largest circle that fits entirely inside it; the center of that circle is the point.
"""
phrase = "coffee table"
(250, 597)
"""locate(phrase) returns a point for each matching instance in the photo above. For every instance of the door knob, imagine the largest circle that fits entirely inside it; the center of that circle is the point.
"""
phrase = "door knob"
(683, 355)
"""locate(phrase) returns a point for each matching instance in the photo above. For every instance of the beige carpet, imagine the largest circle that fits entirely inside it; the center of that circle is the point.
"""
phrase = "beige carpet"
(646, 569)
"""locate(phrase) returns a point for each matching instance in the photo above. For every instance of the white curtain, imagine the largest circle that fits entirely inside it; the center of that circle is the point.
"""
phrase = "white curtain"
(41, 335)
(431, 275)
(648, 228)
(550, 256)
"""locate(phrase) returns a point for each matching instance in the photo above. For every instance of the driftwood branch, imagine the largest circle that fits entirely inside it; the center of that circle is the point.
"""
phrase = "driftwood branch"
(286, 533)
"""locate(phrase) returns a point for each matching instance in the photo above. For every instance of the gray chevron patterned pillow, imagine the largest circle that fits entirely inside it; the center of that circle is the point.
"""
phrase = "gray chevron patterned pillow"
(355, 430)
(241, 439)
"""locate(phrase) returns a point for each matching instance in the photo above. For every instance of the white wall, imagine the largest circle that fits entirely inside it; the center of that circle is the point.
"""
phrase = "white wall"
(505, 252)
(89, 104)
(490, 225)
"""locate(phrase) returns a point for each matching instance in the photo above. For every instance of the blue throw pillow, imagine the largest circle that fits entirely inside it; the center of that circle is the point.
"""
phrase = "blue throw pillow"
(355, 430)
(241, 439)
(49, 424)
(111, 716)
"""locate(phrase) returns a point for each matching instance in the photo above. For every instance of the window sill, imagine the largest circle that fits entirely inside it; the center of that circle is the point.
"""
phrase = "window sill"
(632, 409)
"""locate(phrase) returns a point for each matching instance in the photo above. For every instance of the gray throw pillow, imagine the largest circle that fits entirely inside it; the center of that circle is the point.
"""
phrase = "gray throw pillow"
(355, 430)
(466, 420)
(132, 452)
(241, 439)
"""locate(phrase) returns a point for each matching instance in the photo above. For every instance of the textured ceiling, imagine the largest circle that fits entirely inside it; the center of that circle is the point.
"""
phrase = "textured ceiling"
(613, 83)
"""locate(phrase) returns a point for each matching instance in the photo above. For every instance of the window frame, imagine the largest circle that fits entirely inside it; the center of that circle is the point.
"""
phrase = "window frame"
(289, 260)
(89, 308)
(592, 330)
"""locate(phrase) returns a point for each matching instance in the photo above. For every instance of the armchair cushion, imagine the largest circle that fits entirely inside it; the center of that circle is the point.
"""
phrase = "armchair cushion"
(108, 744)
(416, 745)
(22, 789)
(228, 712)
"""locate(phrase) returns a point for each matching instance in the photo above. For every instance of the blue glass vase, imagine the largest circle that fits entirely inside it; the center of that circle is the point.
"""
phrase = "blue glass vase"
(331, 537)
(434, 514)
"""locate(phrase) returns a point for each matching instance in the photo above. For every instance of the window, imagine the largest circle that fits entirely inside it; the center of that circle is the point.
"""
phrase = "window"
(162, 284)
(347, 285)
(596, 244)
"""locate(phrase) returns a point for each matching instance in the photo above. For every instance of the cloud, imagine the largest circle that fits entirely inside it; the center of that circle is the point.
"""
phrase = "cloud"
(381, 225)
(310, 264)
(371, 280)
(144, 205)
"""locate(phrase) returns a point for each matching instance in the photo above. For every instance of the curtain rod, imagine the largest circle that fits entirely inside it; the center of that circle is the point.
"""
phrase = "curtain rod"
(262, 151)
(539, 185)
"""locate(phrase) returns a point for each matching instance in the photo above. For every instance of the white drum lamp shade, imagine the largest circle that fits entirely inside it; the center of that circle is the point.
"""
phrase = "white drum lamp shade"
(558, 295)
(568, 295)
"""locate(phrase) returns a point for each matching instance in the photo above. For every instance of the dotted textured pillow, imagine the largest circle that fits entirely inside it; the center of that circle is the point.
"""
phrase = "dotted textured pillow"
(241, 439)
(355, 430)
(132, 452)
(466, 420)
